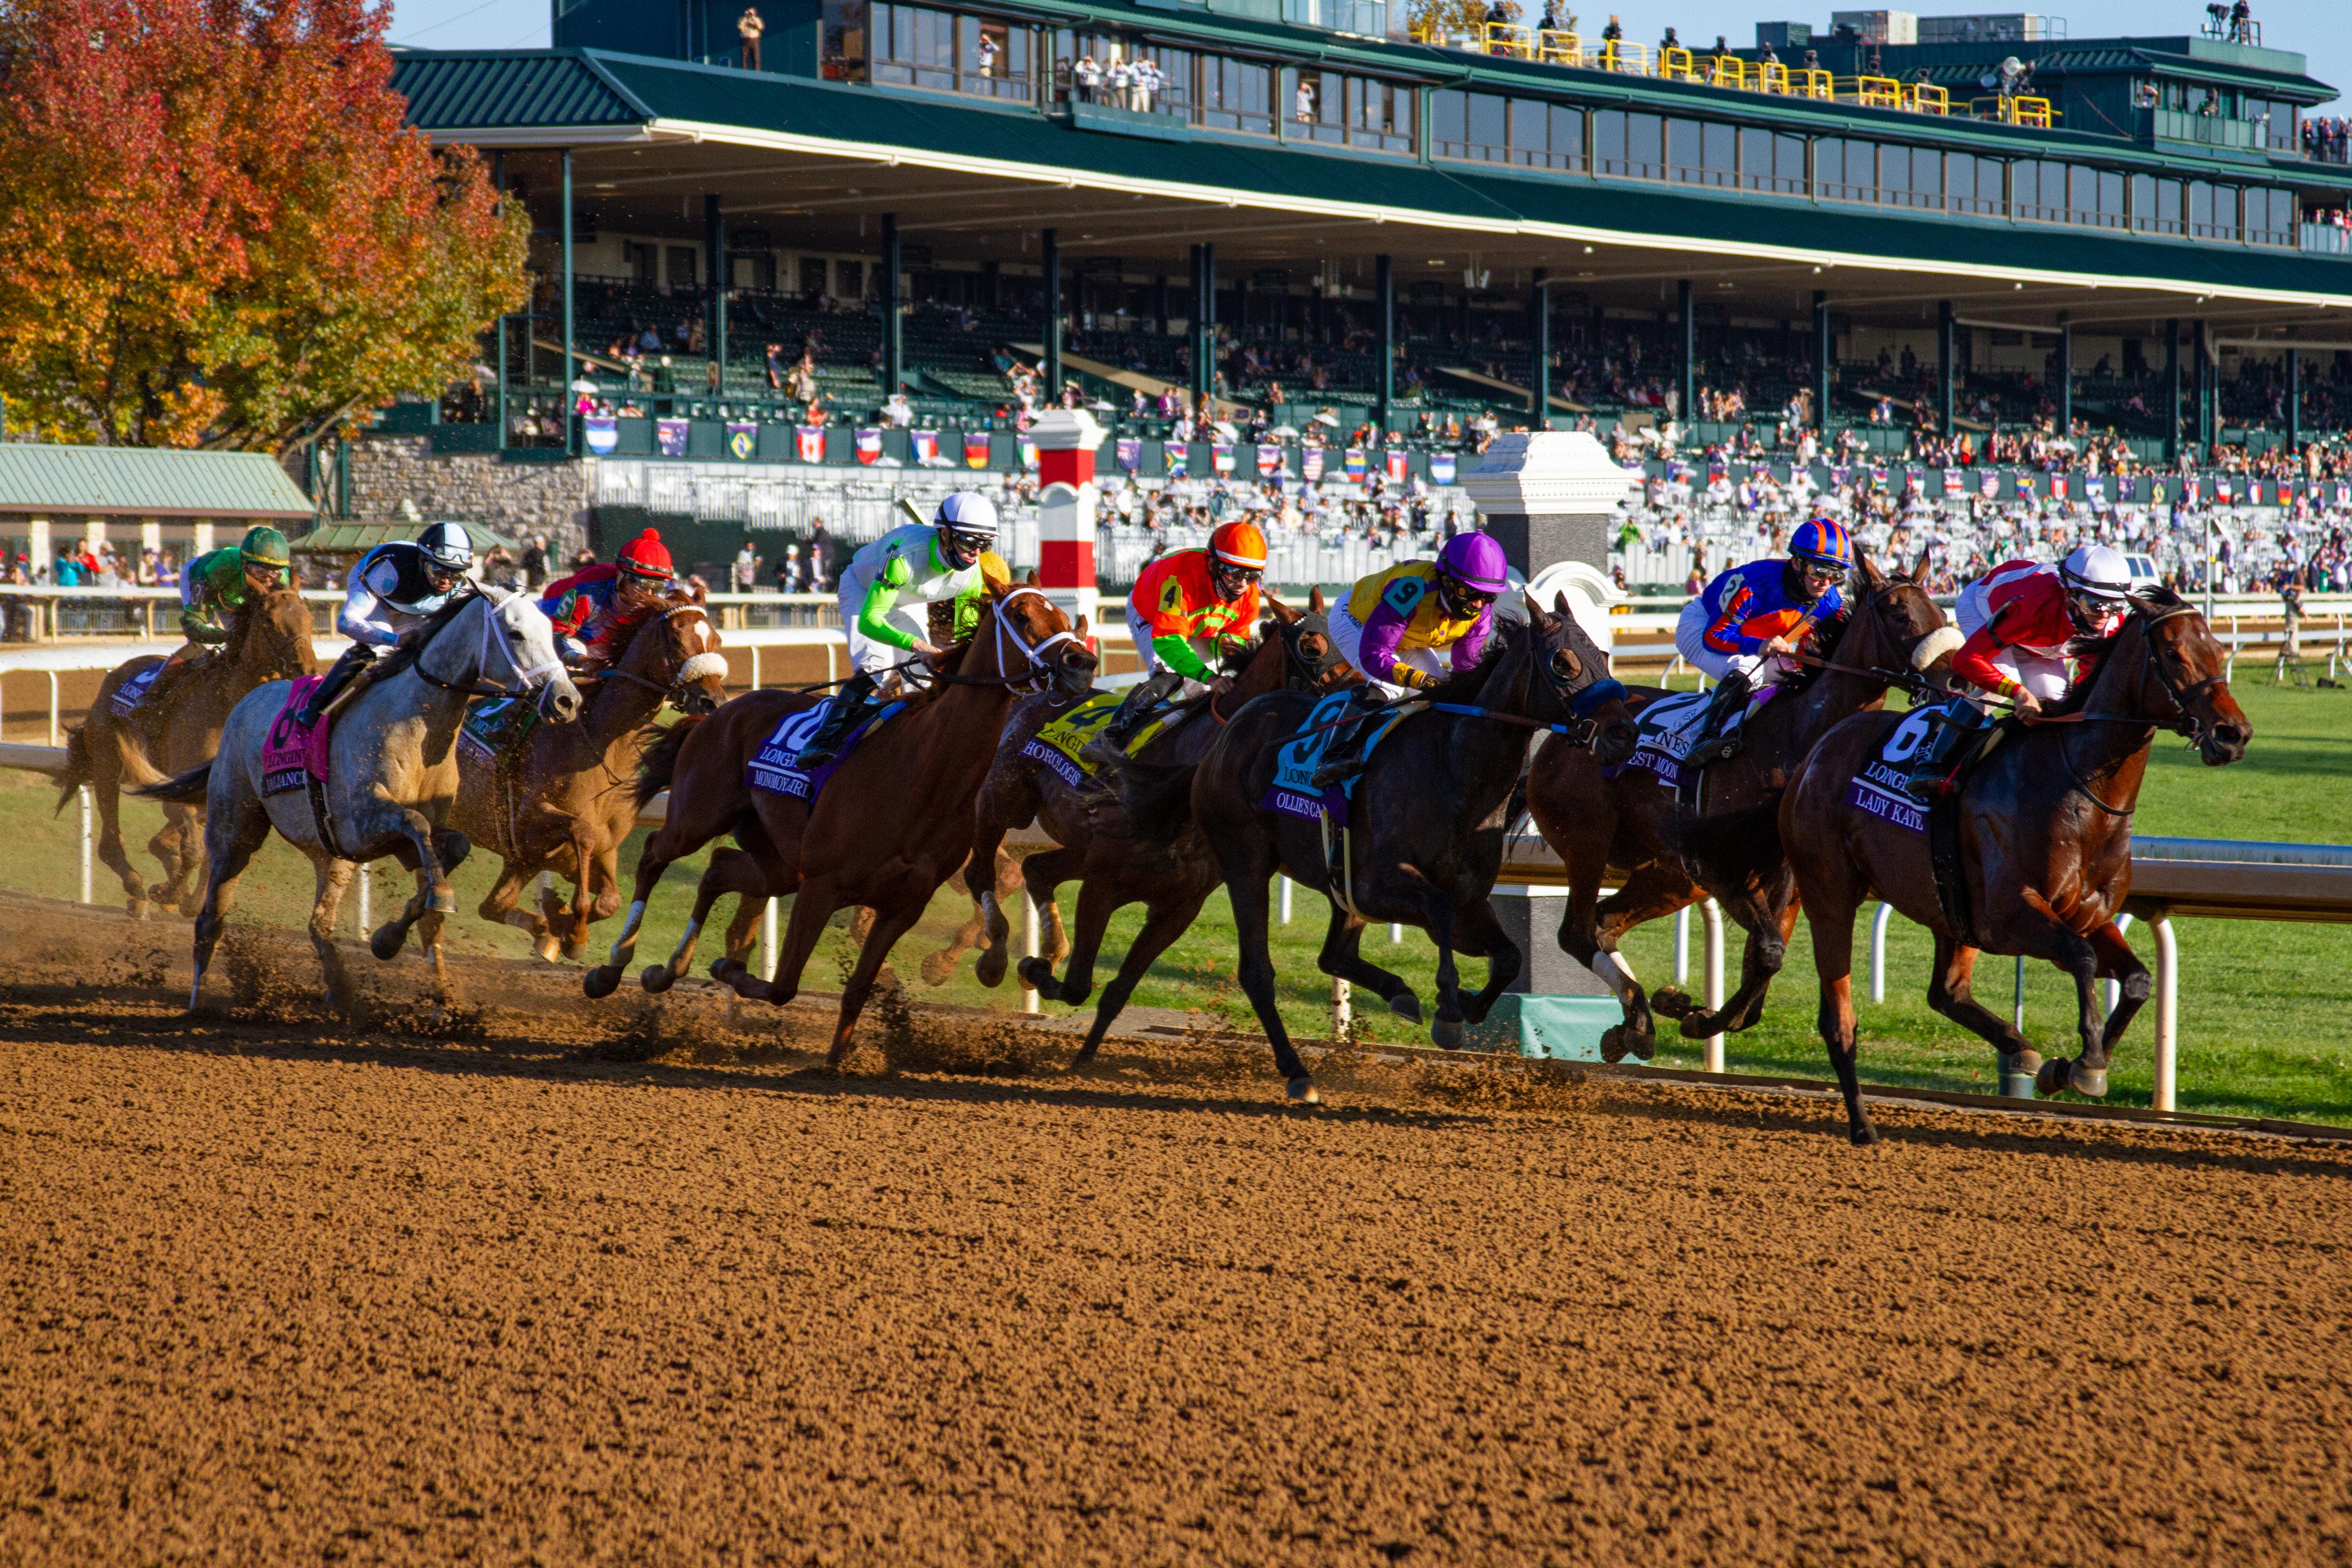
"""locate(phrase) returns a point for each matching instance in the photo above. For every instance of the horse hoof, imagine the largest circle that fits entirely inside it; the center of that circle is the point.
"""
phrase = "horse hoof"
(1302, 1089)
(601, 981)
(1612, 1044)
(726, 971)
(1406, 1006)
(1038, 976)
(545, 948)
(1643, 1044)
(444, 899)
(1864, 1135)
(987, 968)
(656, 978)
(1671, 1002)
(138, 908)
(938, 967)
(2051, 1077)
(2089, 1082)
(388, 940)
(1447, 1032)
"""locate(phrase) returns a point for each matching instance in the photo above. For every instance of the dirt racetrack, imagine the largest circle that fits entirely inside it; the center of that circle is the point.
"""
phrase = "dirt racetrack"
(282, 1289)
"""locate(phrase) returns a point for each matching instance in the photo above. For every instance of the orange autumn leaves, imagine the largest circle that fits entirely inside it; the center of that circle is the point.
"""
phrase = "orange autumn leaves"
(217, 232)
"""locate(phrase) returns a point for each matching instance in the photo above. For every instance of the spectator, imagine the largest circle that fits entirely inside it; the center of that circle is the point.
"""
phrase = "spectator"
(820, 562)
(747, 27)
(534, 560)
(745, 571)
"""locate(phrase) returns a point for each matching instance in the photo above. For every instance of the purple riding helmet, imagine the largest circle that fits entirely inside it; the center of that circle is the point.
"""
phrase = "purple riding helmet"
(1471, 574)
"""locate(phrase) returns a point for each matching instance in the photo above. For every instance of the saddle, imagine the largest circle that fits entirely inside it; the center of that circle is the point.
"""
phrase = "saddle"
(1299, 764)
(496, 727)
(295, 758)
(1060, 743)
(775, 766)
(1915, 783)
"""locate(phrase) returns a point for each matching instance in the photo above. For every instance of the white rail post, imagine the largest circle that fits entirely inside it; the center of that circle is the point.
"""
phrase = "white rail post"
(1030, 940)
(768, 940)
(2168, 1014)
(2116, 987)
(1682, 945)
(2017, 1018)
(1878, 924)
(53, 707)
(755, 666)
(363, 898)
(1396, 931)
(1286, 900)
(84, 793)
(1713, 913)
(1342, 1008)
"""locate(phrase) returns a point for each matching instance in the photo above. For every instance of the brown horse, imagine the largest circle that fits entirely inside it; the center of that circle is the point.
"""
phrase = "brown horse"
(565, 798)
(1172, 878)
(1428, 815)
(174, 730)
(2044, 840)
(1596, 817)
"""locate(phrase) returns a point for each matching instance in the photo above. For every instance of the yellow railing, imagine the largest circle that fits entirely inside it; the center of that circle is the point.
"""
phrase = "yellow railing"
(1555, 48)
(1805, 83)
(1871, 92)
(1510, 39)
(2035, 112)
(1675, 65)
(1927, 98)
(1725, 70)
(1620, 54)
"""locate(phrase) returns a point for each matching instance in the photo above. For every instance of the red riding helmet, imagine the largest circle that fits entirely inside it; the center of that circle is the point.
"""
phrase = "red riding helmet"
(645, 556)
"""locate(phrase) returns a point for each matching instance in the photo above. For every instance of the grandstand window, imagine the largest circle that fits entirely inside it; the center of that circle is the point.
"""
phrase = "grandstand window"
(1845, 170)
(1171, 91)
(812, 271)
(1629, 145)
(1381, 114)
(1911, 176)
(1469, 125)
(942, 51)
(2156, 205)
(1236, 95)
(2039, 190)
(1700, 153)
(2096, 197)
(2212, 211)
(2269, 218)
(1972, 184)
(1547, 135)
(1771, 162)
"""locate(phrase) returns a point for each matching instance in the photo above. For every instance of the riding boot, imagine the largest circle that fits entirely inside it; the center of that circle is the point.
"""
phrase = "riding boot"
(856, 698)
(1344, 757)
(1957, 726)
(1719, 738)
(1144, 698)
(355, 659)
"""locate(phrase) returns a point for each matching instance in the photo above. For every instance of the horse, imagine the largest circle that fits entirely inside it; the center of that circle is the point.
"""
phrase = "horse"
(564, 799)
(2043, 840)
(1172, 879)
(177, 728)
(1595, 818)
(1429, 807)
(894, 822)
(392, 775)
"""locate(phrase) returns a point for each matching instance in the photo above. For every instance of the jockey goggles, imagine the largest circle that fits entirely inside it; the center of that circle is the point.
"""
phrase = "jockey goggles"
(1461, 600)
(1231, 581)
(966, 547)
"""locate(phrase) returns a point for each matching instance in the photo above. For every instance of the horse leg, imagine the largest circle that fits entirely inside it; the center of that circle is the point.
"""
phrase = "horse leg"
(2118, 962)
(939, 966)
(1039, 876)
(1475, 929)
(1650, 893)
(378, 819)
(235, 837)
(2087, 1074)
(326, 901)
(450, 850)
(502, 905)
(1768, 922)
(730, 870)
(674, 840)
(1161, 927)
(1832, 930)
(890, 924)
(980, 880)
(1098, 900)
(1248, 868)
(1949, 993)
(106, 789)
(1343, 958)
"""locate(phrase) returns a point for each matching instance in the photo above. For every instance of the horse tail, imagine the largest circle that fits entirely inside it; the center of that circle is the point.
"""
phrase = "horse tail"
(185, 789)
(658, 761)
(1158, 796)
(79, 770)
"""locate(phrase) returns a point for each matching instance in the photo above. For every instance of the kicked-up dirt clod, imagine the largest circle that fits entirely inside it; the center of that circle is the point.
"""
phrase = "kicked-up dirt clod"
(283, 1287)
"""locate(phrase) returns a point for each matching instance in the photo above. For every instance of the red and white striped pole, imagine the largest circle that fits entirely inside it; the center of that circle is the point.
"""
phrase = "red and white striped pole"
(1066, 440)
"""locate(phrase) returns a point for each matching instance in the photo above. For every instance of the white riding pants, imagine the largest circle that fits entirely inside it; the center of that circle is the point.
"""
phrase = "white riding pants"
(2040, 674)
(1140, 633)
(1348, 636)
(1690, 642)
(869, 658)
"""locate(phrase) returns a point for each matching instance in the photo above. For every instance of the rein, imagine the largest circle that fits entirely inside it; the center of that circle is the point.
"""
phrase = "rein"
(481, 685)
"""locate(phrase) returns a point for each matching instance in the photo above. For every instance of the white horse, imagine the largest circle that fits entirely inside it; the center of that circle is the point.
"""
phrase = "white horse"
(391, 777)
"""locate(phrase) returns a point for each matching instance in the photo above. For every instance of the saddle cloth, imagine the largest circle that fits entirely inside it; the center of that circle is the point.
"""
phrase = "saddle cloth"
(499, 724)
(1058, 744)
(773, 767)
(1293, 791)
(1883, 787)
(292, 755)
(1663, 732)
(132, 691)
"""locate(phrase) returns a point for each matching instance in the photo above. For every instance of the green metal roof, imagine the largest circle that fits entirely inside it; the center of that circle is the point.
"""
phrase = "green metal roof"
(351, 538)
(145, 482)
(484, 91)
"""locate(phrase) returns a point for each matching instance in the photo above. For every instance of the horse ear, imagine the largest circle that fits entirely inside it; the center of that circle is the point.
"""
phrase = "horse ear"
(1919, 573)
(1315, 600)
(1030, 581)
(1868, 569)
(1078, 629)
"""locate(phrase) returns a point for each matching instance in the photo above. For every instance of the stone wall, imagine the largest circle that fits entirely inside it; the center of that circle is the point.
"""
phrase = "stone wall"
(515, 499)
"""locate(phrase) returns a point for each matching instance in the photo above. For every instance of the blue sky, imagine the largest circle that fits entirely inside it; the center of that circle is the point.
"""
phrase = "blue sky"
(2315, 26)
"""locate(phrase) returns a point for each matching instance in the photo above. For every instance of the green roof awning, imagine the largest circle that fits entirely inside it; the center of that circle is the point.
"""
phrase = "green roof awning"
(351, 538)
(145, 482)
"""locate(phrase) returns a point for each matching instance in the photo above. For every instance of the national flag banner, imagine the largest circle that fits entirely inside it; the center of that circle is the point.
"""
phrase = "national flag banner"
(2025, 487)
(2058, 483)
(1987, 484)
(1878, 478)
(1028, 453)
(743, 440)
(2253, 492)
(1130, 452)
(1440, 468)
(2095, 489)
(603, 433)
(1839, 475)
(869, 446)
(1269, 459)
(670, 437)
(2192, 490)
(1399, 466)
(1221, 456)
(2342, 495)
(1951, 481)
(1310, 463)
(927, 446)
(1178, 457)
(2221, 489)
(808, 443)
(1355, 461)
(975, 449)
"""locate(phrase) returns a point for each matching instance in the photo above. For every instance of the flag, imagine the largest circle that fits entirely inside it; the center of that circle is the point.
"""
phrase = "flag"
(2025, 487)
(2058, 486)
(602, 431)
(1399, 465)
(1440, 468)
(2221, 489)
(2342, 495)
(1028, 453)
(1987, 484)
(1355, 462)
(1310, 463)
(808, 443)
(1130, 452)
(669, 435)
(2192, 490)
(1269, 460)
(743, 440)
(1221, 456)
(1178, 457)
(2253, 492)
(2096, 489)
(927, 446)
(869, 446)
(1951, 481)
(975, 449)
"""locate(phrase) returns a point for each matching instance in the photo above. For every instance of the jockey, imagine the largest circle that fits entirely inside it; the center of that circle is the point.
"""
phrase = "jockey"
(1744, 630)
(2020, 620)
(1185, 611)
(217, 584)
(951, 560)
(394, 588)
(580, 605)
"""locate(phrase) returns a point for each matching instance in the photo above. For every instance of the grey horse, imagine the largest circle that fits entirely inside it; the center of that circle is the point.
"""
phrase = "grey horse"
(392, 775)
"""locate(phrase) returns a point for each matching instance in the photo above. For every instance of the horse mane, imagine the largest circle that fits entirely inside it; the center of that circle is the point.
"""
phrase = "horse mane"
(2094, 651)
(644, 609)
(410, 651)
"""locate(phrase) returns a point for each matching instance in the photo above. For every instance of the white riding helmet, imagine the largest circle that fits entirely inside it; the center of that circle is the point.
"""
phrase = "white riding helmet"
(2096, 571)
(447, 545)
(967, 513)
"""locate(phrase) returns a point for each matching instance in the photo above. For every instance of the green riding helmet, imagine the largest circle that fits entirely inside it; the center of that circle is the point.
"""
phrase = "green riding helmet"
(265, 547)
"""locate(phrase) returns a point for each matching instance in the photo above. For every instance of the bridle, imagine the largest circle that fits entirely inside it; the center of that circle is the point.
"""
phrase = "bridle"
(1040, 673)
(481, 685)
(2183, 722)
(677, 692)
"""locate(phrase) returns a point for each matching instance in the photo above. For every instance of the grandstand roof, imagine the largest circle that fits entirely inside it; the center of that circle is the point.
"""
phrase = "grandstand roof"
(138, 482)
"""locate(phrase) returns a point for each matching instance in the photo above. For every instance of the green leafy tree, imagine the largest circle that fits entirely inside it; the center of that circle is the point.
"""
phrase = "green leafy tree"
(219, 231)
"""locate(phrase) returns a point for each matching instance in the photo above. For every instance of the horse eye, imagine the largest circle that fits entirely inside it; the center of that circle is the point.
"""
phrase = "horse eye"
(1565, 664)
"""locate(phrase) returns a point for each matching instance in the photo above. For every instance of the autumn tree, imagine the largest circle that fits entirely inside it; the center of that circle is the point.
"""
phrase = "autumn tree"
(217, 231)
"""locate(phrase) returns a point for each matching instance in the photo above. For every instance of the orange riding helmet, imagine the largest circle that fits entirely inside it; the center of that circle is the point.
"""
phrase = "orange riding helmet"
(1236, 558)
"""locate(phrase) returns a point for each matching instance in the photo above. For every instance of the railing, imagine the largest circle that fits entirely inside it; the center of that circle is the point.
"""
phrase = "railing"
(2207, 129)
(2325, 240)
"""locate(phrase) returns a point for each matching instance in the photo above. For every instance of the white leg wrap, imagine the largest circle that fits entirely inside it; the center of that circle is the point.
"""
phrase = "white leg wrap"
(686, 944)
(1614, 973)
(626, 942)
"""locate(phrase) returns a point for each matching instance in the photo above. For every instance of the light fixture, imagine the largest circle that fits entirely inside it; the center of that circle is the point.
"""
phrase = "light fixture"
(1588, 250)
